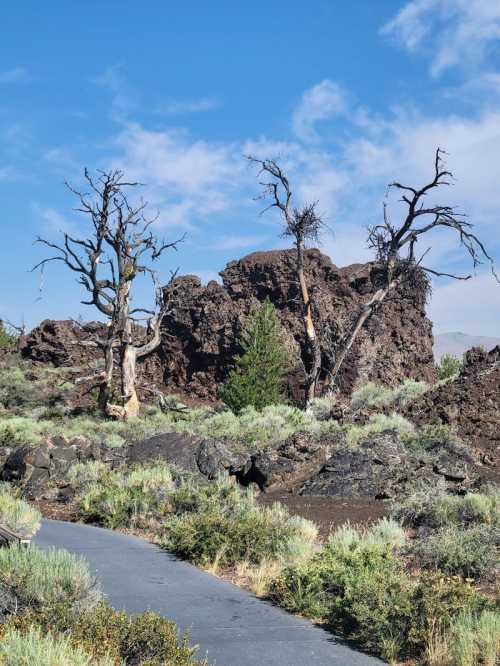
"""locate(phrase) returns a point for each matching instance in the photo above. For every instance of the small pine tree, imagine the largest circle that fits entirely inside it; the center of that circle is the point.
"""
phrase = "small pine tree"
(448, 366)
(260, 370)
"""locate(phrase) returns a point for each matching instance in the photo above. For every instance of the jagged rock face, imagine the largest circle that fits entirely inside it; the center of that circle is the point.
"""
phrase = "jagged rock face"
(383, 468)
(200, 336)
(471, 403)
(62, 343)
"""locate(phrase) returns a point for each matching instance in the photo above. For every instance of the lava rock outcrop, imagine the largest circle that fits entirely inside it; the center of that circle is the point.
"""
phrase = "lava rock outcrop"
(200, 335)
(470, 403)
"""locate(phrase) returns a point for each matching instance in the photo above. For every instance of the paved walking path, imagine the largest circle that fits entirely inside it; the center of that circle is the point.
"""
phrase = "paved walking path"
(230, 625)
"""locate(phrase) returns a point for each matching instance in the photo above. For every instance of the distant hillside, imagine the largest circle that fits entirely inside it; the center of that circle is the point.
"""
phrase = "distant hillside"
(457, 343)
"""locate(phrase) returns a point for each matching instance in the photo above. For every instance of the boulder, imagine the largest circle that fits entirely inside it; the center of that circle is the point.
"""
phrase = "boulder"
(37, 466)
(382, 467)
(214, 458)
(199, 455)
(298, 458)
(174, 448)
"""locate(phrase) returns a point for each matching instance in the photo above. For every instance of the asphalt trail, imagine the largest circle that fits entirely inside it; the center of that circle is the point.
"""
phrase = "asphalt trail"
(231, 626)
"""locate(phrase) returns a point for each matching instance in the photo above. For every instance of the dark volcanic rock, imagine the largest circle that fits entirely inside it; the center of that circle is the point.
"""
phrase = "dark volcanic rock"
(175, 448)
(471, 403)
(200, 334)
(298, 458)
(35, 466)
(62, 343)
(383, 468)
(397, 343)
(213, 458)
(187, 452)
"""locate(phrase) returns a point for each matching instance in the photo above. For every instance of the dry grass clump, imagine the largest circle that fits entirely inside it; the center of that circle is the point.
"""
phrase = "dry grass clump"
(16, 514)
(39, 577)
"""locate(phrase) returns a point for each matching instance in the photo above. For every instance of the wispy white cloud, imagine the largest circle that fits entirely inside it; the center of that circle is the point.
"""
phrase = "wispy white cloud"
(178, 107)
(185, 178)
(322, 102)
(14, 75)
(472, 307)
(52, 221)
(207, 276)
(452, 32)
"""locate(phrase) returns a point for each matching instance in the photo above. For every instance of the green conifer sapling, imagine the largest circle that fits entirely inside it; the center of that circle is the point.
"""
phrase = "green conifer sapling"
(261, 369)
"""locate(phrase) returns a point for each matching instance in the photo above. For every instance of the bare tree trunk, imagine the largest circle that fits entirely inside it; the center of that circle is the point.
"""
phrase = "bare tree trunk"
(128, 374)
(311, 338)
(364, 314)
(105, 392)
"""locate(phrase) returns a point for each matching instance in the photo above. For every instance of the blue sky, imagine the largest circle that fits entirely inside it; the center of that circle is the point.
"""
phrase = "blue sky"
(349, 95)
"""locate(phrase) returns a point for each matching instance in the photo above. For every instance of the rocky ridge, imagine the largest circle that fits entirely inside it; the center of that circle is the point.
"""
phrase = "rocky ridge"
(200, 335)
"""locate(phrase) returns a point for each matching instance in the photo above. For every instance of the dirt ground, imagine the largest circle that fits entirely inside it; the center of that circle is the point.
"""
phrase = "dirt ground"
(328, 512)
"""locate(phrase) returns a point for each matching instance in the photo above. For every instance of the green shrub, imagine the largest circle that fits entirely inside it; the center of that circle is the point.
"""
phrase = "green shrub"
(135, 498)
(240, 532)
(18, 515)
(355, 583)
(104, 633)
(425, 509)
(371, 395)
(35, 648)
(39, 577)
(434, 439)
(378, 423)
(449, 367)
(321, 408)
(407, 391)
(437, 601)
(474, 640)
(470, 552)
(261, 369)
(362, 590)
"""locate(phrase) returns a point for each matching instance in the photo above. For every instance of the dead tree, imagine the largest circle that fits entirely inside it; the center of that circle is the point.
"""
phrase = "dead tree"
(120, 247)
(395, 249)
(302, 224)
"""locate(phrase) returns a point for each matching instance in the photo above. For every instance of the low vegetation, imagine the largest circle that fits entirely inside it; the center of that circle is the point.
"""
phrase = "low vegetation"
(449, 367)
(436, 510)
(468, 552)
(394, 596)
(206, 522)
(52, 613)
(359, 586)
(16, 514)
(39, 577)
(101, 635)
(33, 647)
(372, 395)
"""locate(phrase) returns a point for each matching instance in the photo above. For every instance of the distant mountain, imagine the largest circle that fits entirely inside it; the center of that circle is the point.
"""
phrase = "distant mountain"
(458, 343)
